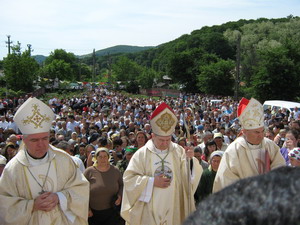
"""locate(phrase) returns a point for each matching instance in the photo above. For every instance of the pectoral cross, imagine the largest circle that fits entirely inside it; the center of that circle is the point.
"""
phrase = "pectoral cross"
(42, 192)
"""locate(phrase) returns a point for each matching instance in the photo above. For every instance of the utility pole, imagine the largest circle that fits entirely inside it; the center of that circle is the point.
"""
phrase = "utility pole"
(79, 69)
(109, 67)
(238, 63)
(94, 65)
(8, 43)
(29, 49)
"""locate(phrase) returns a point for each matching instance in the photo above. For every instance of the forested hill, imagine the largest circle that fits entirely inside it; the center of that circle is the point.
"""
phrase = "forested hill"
(205, 60)
(118, 49)
(39, 58)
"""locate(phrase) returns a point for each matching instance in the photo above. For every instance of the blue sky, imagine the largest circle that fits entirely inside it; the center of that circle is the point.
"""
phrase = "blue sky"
(79, 26)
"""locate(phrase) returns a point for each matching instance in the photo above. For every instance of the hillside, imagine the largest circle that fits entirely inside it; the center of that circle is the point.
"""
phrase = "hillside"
(39, 58)
(206, 60)
(118, 49)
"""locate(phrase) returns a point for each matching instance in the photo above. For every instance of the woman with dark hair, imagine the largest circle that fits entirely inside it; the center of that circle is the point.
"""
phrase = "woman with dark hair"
(106, 187)
(210, 147)
(89, 149)
(178, 133)
(9, 151)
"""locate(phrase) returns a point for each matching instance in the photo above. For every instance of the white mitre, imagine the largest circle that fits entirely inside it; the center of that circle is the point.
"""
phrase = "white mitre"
(251, 114)
(34, 116)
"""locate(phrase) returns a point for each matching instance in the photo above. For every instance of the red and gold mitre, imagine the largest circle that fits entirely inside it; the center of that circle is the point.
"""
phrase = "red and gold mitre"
(163, 120)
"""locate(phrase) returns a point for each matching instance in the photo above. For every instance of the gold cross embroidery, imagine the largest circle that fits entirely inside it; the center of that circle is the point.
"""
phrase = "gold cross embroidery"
(165, 122)
(37, 118)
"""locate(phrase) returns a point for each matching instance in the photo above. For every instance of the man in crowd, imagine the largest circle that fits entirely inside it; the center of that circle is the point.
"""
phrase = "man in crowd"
(41, 184)
(3, 122)
(158, 186)
(197, 154)
(64, 145)
(252, 153)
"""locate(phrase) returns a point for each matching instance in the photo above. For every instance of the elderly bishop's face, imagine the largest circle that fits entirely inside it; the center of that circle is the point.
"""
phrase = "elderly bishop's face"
(161, 142)
(254, 136)
(37, 145)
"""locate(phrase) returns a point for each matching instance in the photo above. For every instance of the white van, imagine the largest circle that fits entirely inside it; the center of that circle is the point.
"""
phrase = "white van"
(279, 104)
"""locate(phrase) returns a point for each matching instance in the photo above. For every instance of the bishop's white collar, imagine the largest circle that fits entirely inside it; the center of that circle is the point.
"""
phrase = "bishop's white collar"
(158, 151)
(36, 162)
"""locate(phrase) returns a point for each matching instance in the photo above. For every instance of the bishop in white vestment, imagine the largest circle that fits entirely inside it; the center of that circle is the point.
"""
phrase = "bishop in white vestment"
(158, 184)
(251, 154)
(41, 184)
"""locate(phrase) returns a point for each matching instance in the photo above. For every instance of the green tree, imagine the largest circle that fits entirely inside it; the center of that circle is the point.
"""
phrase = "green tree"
(263, 34)
(85, 72)
(60, 54)
(126, 69)
(58, 69)
(146, 78)
(20, 70)
(183, 68)
(216, 43)
(276, 76)
(217, 78)
(62, 65)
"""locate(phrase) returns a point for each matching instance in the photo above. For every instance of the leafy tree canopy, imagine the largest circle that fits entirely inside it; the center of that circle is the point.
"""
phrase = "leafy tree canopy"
(217, 78)
(20, 70)
(276, 75)
(126, 69)
(62, 65)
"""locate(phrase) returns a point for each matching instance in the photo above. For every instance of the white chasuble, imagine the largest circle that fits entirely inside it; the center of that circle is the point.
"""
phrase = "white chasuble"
(41, 177)
(144, 204)
(163, 198)
(257, 157)
(242, 160)
(39, 173)
(23, 179)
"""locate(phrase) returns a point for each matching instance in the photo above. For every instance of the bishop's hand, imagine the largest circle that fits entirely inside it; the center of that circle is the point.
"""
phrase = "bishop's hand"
(161, 181)
(45, 202)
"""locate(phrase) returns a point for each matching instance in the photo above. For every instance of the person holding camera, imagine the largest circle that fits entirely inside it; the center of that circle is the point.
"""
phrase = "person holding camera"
(291, 142)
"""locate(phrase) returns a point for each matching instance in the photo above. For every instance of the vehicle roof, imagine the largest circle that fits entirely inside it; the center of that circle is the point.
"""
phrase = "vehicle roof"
(282, 104)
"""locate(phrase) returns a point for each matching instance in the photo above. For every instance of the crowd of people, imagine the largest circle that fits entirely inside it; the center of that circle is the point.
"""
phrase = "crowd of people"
(117, 142)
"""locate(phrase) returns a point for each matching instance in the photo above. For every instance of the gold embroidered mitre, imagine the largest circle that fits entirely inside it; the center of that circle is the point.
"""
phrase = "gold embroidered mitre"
(33, 117)
(163, 120)
(251, 114)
